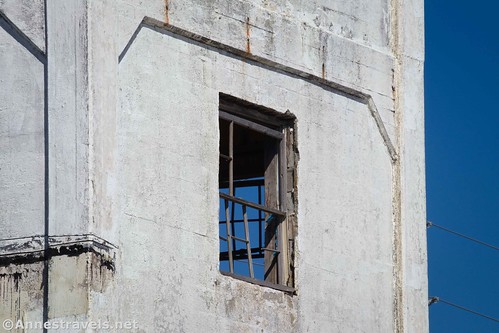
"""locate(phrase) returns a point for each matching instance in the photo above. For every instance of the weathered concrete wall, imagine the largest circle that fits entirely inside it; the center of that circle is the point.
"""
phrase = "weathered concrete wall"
(68, 116)
(22, 157)
(44, 150)
(167, 185)
(21, 126)
(29, 17)
(133, 159)
(342, 41)
(408, 47)
(20, 295)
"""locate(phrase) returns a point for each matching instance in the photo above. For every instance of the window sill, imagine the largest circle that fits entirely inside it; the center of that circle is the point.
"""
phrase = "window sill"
(286, 289)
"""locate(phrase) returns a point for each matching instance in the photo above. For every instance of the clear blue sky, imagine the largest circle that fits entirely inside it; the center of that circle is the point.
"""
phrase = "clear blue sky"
(462, 160)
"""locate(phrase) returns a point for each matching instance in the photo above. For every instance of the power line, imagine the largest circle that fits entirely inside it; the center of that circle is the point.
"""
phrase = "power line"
(434, 300)
(431, 224)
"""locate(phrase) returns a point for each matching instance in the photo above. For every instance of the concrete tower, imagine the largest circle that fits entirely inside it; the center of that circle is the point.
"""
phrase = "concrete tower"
(212, 166)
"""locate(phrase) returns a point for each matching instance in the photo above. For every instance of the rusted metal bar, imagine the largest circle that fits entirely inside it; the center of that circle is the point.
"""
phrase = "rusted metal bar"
(256, 253)
(239, 220)
(232, 224)
(248, 245)
(239, 239)
(231, 156)
(231, 175)
(229, 245)
(260, 218)
(252, 205)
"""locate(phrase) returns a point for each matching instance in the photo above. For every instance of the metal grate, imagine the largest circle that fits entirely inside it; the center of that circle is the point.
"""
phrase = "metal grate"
(268, 219)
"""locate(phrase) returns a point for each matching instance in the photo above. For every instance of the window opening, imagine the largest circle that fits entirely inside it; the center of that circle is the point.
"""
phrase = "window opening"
(253, 222)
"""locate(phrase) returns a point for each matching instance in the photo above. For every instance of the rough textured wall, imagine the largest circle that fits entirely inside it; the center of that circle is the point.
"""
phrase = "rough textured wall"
(21, 124)
(408, 48)
(22, 156)
(166, 194)
(133, 147)
(303, 34)
(20, 295)
(68, 138)
(29, 17)
(42, 110)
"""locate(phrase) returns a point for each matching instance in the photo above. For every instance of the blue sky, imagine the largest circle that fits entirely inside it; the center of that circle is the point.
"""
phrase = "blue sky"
(462, 160)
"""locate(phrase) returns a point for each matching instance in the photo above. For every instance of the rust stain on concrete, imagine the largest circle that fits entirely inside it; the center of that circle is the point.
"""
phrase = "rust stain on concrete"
(323, 62)
(167, 11)
(248, 34)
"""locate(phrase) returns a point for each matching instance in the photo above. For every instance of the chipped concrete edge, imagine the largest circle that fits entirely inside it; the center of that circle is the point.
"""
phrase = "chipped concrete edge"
(26, 250)
(335, 87)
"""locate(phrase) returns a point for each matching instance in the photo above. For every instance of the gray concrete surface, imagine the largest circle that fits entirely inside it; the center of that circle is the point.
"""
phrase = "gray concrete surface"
(132, 142)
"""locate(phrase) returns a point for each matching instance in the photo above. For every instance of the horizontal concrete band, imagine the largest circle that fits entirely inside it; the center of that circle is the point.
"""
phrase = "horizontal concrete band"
(36, 248)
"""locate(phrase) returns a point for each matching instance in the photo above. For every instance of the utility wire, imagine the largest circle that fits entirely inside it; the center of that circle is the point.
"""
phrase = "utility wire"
(431, 224)
(434, 300)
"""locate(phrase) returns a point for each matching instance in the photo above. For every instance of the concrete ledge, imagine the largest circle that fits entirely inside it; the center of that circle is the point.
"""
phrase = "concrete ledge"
(32, 249)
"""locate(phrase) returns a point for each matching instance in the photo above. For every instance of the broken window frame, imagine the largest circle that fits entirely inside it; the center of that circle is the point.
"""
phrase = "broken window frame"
(278, 273)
